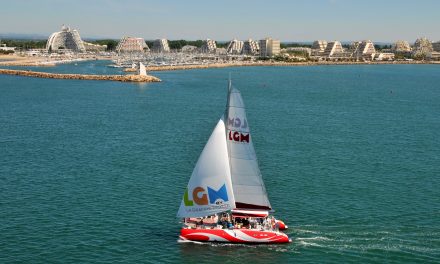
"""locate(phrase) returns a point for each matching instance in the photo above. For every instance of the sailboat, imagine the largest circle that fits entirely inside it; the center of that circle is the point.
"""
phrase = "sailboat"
(225, 199)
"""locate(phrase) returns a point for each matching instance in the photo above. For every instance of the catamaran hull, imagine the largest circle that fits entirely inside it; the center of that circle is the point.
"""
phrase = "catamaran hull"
(242, 236)
(281, 225)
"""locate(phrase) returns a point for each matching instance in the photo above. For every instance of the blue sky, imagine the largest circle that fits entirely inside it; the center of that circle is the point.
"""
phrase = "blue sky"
(295, 20)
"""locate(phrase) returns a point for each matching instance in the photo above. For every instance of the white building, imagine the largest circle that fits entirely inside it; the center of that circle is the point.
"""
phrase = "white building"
(94, 47)
(364, 49)
(189, 49)
(66, 39)
(4, 48)
(209, 46)
(436, 46)
(269, 47)
(333, 49)
(235, 47)
(422, 47)
(250, 47)
(319, 46)
(130, 44)
(161, 46)
(384, 56)
(401, 46)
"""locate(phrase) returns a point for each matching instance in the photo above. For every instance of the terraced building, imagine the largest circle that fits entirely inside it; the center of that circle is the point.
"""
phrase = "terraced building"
(161, 46)
(209, 46)
(364, 49)
(422, 48)
(401, 46)
(235, 47)
(250, 47)
(132, 45)
(333, 49)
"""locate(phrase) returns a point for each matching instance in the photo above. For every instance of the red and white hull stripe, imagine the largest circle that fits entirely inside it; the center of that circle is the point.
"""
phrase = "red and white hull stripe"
(234, 235)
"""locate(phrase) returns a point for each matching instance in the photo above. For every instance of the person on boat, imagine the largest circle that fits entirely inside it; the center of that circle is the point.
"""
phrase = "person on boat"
(245, 223)
(252, 223)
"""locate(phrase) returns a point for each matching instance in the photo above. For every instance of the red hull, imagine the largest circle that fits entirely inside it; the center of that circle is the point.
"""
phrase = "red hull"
(234, 235)
(281, 225)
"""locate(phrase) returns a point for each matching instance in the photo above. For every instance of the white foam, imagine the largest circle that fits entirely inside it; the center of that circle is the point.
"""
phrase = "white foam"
(318, 238)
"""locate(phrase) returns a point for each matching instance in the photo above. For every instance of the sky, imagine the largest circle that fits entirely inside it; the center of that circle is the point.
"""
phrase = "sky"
(295, 20)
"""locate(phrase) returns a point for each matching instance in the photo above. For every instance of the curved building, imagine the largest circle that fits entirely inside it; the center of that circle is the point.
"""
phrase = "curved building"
(66, 39)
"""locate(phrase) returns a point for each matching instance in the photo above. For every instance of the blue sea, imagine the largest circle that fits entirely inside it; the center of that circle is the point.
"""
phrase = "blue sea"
(94, 171)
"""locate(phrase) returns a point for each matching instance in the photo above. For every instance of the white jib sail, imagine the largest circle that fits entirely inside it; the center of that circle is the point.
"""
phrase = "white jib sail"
(209, 190)
(142, 69)
(247, 183)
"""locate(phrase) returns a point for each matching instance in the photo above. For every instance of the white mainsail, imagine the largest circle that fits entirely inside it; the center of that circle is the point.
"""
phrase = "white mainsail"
(209, 190)
(247, 183)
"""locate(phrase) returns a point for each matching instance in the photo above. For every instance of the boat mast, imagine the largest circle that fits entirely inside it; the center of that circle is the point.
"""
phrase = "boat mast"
(226, 118)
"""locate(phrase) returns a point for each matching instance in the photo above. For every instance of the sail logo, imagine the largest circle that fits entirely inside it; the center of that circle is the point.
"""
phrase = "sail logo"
(202, 197)
(238, 136)
(237, 122)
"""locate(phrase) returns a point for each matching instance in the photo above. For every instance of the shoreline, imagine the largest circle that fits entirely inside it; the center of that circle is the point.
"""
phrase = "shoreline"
(278, 64)
(14, 60)
(119, 78)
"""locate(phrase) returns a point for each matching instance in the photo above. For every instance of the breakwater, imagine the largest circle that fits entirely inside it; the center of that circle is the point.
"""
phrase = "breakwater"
(119, 78)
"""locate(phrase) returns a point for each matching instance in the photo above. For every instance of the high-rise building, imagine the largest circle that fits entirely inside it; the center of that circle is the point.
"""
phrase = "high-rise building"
(364, 49)
(401, 46)
(66, 39)
(235, 47)
(161, 46)
(209, 46)
(436, 46)
(319, 45)
(333, 49)
(269, 47)
(250, 47)
(422, 47)
(130, 44)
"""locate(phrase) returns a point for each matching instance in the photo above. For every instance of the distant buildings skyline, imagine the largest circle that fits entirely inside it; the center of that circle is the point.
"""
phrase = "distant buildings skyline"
(288, 21)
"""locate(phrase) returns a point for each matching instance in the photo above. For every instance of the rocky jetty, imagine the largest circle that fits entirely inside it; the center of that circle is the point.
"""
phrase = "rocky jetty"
(119, 78)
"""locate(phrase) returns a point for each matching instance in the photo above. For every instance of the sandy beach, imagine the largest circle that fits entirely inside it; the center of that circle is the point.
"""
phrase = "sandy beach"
(14, 60)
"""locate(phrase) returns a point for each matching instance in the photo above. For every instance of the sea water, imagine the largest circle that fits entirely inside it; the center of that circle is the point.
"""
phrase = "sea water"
(94, 171)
